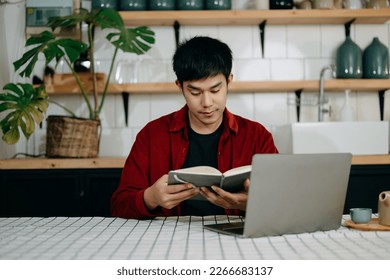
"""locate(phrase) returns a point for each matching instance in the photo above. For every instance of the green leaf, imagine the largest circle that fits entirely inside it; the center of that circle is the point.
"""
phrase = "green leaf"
(109, 18)
(133, 40)
(25, 107)
(11, 136)
(69, 21)
(43, 37)
(52, 48)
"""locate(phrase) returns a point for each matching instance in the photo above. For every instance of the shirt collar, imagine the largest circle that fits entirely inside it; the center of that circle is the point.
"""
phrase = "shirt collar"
(179, 120)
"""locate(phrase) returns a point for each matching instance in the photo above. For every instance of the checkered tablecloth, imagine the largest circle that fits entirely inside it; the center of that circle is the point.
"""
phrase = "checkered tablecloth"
(170, 238)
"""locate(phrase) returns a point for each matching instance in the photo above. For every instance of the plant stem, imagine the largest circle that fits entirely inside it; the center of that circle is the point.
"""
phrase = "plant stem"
(107, 81)
(63, 107)
(95, 114)
(83, 91)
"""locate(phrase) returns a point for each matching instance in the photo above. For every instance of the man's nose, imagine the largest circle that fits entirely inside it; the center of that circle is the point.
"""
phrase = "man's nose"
(206, 99)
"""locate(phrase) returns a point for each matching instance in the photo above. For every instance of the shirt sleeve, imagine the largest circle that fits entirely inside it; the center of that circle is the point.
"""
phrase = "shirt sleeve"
(127, 201)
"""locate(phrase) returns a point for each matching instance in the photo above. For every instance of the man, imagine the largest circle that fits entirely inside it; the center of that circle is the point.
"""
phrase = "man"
(203, 132)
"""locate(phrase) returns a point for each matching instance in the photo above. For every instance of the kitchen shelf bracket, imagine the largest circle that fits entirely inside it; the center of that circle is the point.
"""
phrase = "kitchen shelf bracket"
(347, 27)
(381, 95)
(298, 102)
(176, 28)
(262, 36)
(125, 98)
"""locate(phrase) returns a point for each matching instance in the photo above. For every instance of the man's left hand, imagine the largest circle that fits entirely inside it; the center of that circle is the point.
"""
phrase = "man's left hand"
(226, 199)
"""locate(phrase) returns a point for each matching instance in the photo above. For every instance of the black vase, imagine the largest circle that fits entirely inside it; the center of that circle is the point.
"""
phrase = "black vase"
(281, 4)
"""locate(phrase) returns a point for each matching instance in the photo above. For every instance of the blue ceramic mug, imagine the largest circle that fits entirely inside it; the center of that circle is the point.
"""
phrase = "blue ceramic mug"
(360, 215)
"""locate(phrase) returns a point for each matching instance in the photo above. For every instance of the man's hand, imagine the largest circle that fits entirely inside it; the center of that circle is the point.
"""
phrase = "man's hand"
(226, 199)
(167, 196)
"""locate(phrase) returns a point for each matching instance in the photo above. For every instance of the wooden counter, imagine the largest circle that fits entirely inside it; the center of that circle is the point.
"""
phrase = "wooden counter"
(112, 162)
(59, 163)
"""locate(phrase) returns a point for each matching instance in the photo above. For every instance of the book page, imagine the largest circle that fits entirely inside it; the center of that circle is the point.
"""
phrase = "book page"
(200, 170)
(238, 170)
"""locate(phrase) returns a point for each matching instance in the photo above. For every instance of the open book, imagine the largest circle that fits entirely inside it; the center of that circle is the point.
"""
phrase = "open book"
(206, 176)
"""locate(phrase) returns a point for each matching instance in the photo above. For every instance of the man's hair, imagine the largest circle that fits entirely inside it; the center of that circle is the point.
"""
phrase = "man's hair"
(202, 57)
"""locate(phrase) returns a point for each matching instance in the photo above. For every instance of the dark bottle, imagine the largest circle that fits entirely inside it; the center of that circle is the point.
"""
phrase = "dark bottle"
(376, 60)
(102, 4)
(281, 4)
(349, 60)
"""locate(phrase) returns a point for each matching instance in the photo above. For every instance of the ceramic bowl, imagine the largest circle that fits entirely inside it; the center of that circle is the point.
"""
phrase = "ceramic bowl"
(360, 215)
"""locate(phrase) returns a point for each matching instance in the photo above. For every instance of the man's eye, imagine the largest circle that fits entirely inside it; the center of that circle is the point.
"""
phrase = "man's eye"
(215, 90)
(195, 92)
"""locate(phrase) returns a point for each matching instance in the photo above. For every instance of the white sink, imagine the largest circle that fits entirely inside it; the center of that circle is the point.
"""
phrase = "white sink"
(358, 138)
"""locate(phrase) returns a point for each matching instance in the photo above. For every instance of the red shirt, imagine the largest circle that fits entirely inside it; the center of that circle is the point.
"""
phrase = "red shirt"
(162, 146)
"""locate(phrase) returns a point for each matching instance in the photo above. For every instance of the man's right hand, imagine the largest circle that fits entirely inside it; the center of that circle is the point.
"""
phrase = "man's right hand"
(167, 196)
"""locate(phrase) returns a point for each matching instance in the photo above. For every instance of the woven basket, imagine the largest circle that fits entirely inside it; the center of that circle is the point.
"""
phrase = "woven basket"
(72, 137)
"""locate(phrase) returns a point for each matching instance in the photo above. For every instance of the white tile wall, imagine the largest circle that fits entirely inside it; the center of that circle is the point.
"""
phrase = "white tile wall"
(291, 53)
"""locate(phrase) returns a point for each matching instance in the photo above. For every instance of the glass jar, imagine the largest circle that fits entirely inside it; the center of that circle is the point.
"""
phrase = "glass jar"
(354, 4)
(377, 4)
(323, 4)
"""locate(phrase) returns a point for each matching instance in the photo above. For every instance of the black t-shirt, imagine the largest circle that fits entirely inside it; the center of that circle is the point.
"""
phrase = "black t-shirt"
(202, 150)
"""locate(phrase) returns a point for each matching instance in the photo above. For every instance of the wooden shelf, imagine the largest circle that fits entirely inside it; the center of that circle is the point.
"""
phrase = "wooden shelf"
(255, 17)
(118, 162)
(370, 85)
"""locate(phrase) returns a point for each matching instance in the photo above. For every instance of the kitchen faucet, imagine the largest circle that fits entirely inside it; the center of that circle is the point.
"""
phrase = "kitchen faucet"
(321, 97)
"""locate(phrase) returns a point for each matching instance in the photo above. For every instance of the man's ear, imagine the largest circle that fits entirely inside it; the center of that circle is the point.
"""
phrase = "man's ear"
(230, 78)
(179, 85)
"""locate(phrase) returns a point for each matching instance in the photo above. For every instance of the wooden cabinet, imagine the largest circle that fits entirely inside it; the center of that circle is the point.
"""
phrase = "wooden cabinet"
(57, 192)
(366, 182)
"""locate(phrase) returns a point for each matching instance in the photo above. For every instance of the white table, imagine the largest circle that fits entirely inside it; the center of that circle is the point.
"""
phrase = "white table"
(88, 238)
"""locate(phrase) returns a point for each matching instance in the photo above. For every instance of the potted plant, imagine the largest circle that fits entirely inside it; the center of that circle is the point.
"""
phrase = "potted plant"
(26, 105)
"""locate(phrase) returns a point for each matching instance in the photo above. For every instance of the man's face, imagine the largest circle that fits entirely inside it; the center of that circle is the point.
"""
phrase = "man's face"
(206, 100)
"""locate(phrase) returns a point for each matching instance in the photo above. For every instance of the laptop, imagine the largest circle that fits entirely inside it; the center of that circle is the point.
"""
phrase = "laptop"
(293, 193)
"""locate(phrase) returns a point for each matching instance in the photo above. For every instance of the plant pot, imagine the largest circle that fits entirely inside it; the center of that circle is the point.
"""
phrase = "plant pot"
(69, 137)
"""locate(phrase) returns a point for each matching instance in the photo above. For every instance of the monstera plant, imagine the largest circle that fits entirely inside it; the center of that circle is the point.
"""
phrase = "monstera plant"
(26, 105)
